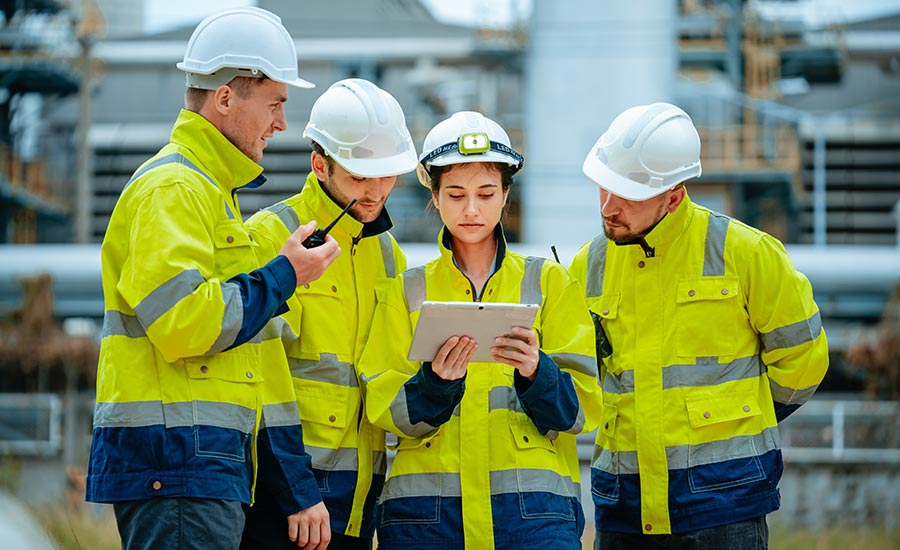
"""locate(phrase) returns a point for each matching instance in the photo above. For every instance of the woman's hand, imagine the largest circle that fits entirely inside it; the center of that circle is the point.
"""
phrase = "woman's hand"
(520, 350)
(452, 360)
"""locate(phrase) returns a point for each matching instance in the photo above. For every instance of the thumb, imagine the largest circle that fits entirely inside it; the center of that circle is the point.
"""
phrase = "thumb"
(304, 231)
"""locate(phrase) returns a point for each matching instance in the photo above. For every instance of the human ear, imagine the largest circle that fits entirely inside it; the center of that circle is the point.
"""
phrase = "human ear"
(319, 165)
(222, 99)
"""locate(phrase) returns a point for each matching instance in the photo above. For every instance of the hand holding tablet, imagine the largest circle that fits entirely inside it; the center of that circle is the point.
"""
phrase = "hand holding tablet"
(483, 322)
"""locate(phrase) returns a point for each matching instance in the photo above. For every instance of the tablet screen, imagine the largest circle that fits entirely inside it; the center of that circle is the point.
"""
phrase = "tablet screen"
(481, 321)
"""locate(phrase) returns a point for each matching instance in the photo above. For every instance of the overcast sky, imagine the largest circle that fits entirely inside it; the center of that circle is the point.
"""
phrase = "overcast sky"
(163, 14)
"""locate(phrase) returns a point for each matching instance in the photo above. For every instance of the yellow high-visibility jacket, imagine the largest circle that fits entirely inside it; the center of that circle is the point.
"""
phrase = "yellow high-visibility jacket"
(715, 338)
(489, 460)
(189, 366)
(332, 316)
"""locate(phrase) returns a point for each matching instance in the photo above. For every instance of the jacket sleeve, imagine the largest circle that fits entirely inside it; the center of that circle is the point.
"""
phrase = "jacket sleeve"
(170, 276)
(565, 396)
(401, 396)
(782, 311)
(285, 468)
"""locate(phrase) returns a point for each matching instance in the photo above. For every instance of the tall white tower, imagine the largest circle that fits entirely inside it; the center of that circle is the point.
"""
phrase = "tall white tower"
(586, 62)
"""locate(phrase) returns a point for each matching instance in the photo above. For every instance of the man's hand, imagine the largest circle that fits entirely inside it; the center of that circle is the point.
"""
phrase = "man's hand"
(309, 263)
(309, 528)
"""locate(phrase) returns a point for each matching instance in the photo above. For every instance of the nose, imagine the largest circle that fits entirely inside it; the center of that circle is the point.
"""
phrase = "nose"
(609, 203)
(472, 205)
(280, 121)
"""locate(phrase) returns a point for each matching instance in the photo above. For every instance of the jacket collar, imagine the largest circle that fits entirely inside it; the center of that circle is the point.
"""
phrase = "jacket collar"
(446, 248)
(217, 156)
(669, 228)
(326, 210)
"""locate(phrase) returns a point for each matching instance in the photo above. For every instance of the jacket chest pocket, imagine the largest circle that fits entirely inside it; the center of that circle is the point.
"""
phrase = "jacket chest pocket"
(708, 313)
(326, 327)
(604, 312)
(234, 249)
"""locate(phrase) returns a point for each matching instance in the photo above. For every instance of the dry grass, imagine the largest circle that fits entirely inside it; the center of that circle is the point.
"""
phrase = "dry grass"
(80, 527)
(780, 538)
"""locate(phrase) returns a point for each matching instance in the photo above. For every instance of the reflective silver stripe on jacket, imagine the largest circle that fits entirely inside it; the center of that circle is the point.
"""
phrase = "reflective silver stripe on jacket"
(502, 481)
(135, 414)
(530, 292)
(400, 416)
(794, 334)
(705, 372)
(325, 369)
(714, 246)
(279, 415)
(116, 323)
(286, 214)
(596, 264)
(331, 460)
(790, 396)
(685, 456)
(232, 317)
(414, 288)
(387, 254)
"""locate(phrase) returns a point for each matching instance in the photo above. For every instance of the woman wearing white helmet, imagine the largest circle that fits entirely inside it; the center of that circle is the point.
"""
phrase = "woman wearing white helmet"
(486, 455)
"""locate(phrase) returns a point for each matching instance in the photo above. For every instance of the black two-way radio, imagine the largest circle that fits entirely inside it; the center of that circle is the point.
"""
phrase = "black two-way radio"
(318, 236)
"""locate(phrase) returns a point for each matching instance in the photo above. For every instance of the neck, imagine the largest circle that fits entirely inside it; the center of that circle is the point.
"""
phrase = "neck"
(475, 260)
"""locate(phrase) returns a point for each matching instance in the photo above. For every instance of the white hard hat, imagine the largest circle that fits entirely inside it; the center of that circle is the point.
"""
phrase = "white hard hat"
(249, 42)
(363, 129)
(467, 136)
(646, 151)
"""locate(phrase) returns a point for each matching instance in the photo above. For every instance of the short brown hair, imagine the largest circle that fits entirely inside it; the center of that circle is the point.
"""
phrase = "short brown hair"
(242, 85)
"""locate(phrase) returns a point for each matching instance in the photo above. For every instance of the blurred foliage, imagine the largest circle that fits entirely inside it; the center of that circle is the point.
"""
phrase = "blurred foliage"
(79, 527)
(10, 474)
(877, 353)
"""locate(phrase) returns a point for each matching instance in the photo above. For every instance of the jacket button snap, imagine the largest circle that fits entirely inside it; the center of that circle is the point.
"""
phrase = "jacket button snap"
(333, 288)
(491, 291)
(250, 237)
(606, 426)
(204, 369)
(306, 286)
(746, 408)
(249, 374)
(467, 291)
(724, 292)
(605, 312)
(157, 486)
(353, 252)
(428, 444)
(691, 292)
(332, 418)
(648, 527)
(706, 414)
(230, 239)
(525, 437)
(641, 263)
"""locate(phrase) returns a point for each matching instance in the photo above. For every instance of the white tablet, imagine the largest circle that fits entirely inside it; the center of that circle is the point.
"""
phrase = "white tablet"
(481, 321)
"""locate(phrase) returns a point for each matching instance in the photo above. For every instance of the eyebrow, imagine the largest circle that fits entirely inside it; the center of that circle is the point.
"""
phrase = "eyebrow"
(492, 185)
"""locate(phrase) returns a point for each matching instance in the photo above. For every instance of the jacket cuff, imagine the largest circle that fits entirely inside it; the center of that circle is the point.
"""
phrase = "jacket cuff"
(545, 376)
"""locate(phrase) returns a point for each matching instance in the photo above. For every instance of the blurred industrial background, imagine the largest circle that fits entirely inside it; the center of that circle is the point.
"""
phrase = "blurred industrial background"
(798, 102)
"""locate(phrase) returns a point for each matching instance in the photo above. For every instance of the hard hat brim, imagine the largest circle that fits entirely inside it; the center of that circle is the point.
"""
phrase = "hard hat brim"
(598, 172)
(395, 165)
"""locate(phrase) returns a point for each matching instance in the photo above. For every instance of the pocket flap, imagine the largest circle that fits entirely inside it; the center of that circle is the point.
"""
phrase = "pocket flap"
(608, 420)
(231, 233)
(606, 306)
(329, 410)
(527, 436)
(707, 288)
(233, 366)
(709, 410)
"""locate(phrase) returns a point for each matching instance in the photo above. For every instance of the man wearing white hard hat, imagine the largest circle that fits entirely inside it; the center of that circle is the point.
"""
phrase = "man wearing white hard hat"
(707, 338)
(193, 386)
(360, 145)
